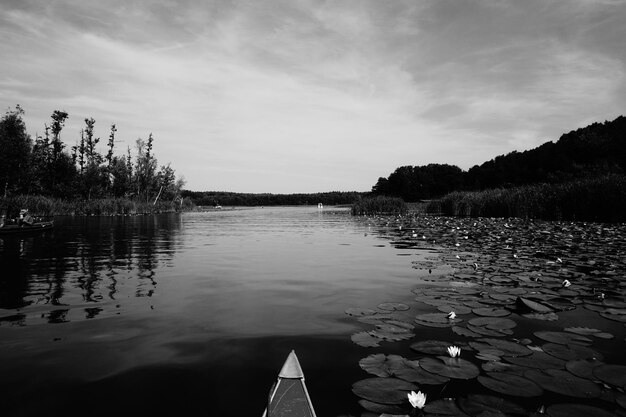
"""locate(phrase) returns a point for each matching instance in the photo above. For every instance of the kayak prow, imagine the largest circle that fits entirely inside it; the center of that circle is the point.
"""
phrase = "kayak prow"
(289, 396)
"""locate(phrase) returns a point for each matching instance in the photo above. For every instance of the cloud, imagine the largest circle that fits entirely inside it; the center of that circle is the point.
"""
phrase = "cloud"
(310, 95)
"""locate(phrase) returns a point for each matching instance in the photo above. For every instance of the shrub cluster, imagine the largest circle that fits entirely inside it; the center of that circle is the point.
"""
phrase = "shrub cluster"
(601, 199)
(378, 205)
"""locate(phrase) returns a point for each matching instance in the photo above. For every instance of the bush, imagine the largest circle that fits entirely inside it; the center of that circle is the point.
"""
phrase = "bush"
(601, 199)
(46, 206)
(379, 205)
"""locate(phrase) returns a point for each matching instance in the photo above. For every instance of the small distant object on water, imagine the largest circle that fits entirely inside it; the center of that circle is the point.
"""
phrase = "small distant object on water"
(320, 206)
(289, 396)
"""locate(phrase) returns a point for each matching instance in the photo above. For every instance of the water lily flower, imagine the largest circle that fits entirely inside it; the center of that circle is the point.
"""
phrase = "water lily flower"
(454, 351)
(452, 315)
(417, 400)
(566, 283)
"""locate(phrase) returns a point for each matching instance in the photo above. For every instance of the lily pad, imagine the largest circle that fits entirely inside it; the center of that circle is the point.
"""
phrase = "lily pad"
(571, 352)
(611, 374)
(583, 368)
(491, 312)
(458, 309)
(583, 331)
(570, 409)
(483, 331)
(382, 409)
(399, 323)
(542, 316)
(393, 306)
(510, 384)
(493, 323)
(431, 347)
(563, 338)
(462, 331)
(391, 336)
(562, 382)
(503, 367)
(443, 407)
(412, 372)
(537, 360)
(509, 348)
(383, 390)
(533, 305)
(374, 319)
(365, 339)
(358, 312)
(455, 368)
(616, 314)
(379, 364)
(436, 320)
(476, 404)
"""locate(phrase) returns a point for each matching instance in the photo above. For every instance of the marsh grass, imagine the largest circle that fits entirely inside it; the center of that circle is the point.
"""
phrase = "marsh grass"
(379, 205)
(46, 206)
(601, 199)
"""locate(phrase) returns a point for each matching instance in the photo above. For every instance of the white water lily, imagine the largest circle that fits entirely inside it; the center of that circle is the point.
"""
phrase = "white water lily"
(417, 400)
(452, 315)
(454, 351)
(566, 283)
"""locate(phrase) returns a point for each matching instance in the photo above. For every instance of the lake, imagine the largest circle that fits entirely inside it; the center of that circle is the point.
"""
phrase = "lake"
(194, 313)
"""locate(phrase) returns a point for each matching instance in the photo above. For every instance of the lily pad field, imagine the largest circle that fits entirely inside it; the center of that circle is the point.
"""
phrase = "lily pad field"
(513, 318)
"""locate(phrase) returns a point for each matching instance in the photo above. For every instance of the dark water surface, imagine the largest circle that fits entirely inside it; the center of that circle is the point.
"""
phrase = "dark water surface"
(189, 314)
(194, 314)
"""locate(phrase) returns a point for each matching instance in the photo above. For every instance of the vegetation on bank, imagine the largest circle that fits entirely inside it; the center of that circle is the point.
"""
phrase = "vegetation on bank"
(42, 206)
(378, 205)
(215, 198)
(600, 199)
(80, 179)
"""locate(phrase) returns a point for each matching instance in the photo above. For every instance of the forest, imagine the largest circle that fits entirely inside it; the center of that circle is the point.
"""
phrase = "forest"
(598, 150)
(46, 167)
(223, 198)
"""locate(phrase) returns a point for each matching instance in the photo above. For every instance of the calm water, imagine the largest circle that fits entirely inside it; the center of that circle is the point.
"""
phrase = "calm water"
(190, 314)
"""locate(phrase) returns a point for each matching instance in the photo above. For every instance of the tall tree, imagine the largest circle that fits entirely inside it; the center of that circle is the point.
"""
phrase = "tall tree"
(145, 168)
(58, 121)
(16, 146)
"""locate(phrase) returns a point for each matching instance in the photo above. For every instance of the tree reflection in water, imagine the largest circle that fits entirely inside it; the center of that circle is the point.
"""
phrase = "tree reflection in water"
(84, 265)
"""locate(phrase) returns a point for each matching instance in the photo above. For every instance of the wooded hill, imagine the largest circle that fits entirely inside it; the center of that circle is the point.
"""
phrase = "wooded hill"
(596, 150)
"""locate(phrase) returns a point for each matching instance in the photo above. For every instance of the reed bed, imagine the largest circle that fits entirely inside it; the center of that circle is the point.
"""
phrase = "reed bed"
(46, 206)
(379, 205)
(600, 199)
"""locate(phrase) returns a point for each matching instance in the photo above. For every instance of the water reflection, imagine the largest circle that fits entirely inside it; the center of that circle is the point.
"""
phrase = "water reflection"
(87, 263)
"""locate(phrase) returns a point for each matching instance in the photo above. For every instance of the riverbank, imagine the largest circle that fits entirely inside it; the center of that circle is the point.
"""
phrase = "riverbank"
(599, 199)
(46, 206)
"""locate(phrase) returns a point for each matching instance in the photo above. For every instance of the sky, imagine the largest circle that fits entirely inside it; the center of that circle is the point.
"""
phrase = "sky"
(288, 96)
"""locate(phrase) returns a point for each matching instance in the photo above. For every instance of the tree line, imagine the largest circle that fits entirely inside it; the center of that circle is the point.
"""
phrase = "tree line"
(46, 166)
(594, 151)
(223, 198)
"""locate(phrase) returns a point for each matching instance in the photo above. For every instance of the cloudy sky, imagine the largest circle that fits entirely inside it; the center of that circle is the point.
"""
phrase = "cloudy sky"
(288, 96)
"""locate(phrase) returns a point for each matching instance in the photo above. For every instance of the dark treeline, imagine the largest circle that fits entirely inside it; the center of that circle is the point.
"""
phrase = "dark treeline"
(594, 151)
(214, 198)
(46, 166)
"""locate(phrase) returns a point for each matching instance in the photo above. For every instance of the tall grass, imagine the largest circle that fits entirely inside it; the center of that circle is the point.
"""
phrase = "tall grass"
(601, 199)
(46, 206)
(379, 205)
